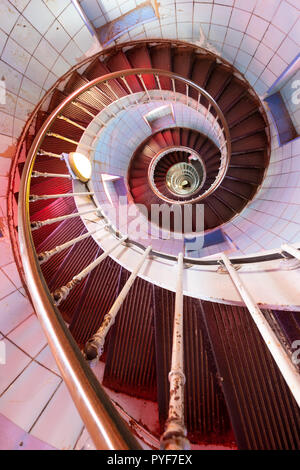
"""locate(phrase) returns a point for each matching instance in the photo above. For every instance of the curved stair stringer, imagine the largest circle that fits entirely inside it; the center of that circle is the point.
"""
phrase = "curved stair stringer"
(261, 193)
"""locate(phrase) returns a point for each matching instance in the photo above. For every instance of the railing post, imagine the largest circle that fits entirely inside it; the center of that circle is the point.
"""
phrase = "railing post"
(37, 197)
(159, 86)
(144, 86)
(284, 363)
(291, 250)
(36, 224)
(62, 293)
(174, 437)
(46, 255)
(198, 101)
(85, 110)
(187, 94)
(38, 174)
(94, 347)
(129, 88)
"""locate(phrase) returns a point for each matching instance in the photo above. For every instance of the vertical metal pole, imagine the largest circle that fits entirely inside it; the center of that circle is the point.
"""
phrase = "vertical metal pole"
(286, 367)
(62, 293)
(174, 437)
(174, 89)
(291, 250)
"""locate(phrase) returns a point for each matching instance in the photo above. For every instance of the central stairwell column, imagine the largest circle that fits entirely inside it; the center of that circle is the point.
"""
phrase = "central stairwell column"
(174, 437)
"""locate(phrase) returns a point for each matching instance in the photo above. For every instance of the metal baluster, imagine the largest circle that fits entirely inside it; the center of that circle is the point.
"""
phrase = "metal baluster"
(46, 255)
(62, 293)
(286, 367)
(83, 108)
(174, 437)
(221, 133)
(35, 197)
(38, 174)
(94, 347)
(223, 145)
(66, 139)
(214, 123)
(40, 223)
(159, 86)
(128, 87)
(42, 152)
(291, 250)
(73, 123)
(115, 94)
(104, 95)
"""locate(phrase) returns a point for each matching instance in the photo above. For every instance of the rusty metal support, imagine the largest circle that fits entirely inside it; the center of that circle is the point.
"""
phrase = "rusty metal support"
(37, 197)
(94, 347)
(71, 141)
(75, 124)
(39, 174)
(144, 86)
(85, 110)
(174, 437)
(159, 86)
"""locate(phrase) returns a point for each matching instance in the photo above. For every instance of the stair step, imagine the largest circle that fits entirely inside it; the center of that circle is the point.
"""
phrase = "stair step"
(252, 143)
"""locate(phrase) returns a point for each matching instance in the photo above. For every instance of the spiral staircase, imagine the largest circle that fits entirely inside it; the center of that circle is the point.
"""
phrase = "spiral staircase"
(235, 394)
